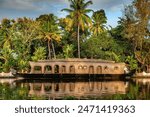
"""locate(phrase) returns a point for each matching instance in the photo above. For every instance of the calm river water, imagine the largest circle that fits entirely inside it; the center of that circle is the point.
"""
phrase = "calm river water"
(84, 89)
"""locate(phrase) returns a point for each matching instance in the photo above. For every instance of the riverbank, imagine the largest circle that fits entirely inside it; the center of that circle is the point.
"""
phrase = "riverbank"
(141, 75)
(6, 75)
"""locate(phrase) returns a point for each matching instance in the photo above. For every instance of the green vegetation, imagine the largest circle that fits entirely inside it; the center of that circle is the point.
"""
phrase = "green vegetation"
(39, 54)
(8, 92)
(77, 35)
(136, 29)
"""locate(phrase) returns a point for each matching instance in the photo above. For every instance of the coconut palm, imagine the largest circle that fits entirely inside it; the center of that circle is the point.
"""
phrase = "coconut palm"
(49, 37)
(78, 13)
(49, 31)
(99, 21)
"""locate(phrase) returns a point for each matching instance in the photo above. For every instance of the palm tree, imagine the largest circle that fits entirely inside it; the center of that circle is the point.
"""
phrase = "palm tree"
(50, 37)
(99, 21)
(78, 13)
(49, 31)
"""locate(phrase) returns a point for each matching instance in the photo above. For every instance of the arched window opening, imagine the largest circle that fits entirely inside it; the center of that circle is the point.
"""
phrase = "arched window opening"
(48, 68)
(38, 69)
(56, 69)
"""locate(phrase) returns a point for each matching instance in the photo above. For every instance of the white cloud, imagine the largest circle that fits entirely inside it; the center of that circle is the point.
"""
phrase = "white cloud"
(18, 4)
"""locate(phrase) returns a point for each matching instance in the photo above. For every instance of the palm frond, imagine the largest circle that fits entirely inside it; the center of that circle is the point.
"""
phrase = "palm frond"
(67, 10)
(88, 11)
(87, 4)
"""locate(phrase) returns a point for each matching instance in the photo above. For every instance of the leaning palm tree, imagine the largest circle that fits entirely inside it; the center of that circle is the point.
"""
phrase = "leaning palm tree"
(49, 31)
(50, 37)
(78, 13)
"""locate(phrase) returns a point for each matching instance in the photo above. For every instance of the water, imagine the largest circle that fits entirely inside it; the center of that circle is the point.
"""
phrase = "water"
(84, 89)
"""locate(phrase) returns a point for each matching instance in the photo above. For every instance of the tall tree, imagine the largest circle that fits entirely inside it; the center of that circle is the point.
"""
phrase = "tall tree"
(136, 21)
(6, 42)
(5, 37)
(49, 31)
(78, 13)
(99, 20)
(23, 32)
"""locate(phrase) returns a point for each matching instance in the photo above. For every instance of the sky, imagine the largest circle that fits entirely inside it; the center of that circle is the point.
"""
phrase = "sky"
(34, 8)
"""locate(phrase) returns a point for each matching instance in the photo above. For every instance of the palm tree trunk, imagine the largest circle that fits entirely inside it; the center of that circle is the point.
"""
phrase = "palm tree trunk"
(53, 50)
(78, 38)
(49, 50)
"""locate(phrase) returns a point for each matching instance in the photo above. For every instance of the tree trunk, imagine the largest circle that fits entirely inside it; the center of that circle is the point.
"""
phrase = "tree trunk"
(49, 50)
(53, 50)
(78, 38)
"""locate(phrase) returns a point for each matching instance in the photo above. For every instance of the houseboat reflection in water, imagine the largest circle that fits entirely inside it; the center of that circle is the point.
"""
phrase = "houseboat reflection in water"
(81, 89)
(78, 89)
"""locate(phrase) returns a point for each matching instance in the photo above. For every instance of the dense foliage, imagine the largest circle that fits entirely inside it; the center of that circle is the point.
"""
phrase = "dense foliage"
(12, 92)
(48, 37)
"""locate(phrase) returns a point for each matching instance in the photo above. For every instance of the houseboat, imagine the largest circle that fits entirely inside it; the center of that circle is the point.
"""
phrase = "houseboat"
(75, 67)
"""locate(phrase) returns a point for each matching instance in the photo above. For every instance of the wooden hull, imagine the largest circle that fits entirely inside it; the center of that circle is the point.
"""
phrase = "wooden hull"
(70, 76)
